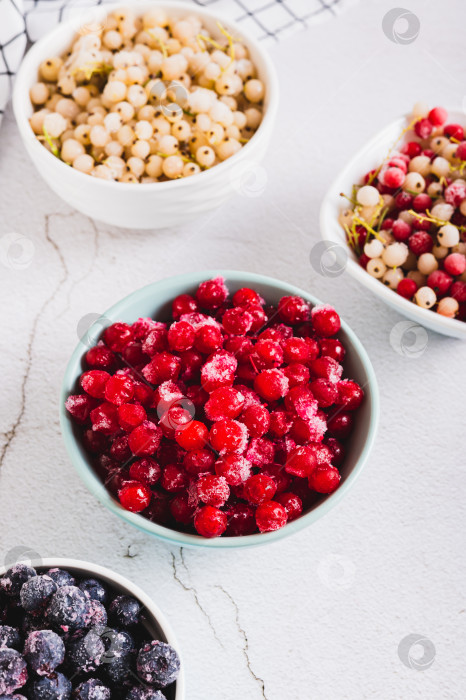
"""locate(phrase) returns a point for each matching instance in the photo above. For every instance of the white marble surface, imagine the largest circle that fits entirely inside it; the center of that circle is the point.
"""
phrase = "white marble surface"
(319, 615)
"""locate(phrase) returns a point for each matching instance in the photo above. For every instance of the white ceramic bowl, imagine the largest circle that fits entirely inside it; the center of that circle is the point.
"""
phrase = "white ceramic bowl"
(154, 620)
(370, 156)
(154, 205)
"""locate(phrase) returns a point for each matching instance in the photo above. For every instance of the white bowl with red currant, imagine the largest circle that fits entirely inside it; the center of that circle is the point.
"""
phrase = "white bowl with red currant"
(219, 409)
(399, 206)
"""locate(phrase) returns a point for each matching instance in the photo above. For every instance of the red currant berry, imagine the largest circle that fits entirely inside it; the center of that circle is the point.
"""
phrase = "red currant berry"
(401, 230)
(155, 342)
(181, 509)
(226, 402)
(237, 321)
(162, 367)
(259, 488)
(301, 461)
(325, 479)
(208, 339)
(228, 436)
(183, 304)
(181, 336)
(313, 430)
(296, 350)
(437, 116)
(301, 402)
(337, 450)
(234, 468)
(393, 177)
(145, 439)
(455, 193)
(143, 394)
(117, 336)
(119, 389)
(191, 363)
(270, 516)
(213, 490)
(256, 419)
(332, 348)
(455, 264)
(324, 391)
(259, 318)
(100, 357)
(407, 288)
(104, 419)
(192, 436)
(219, 370)
(458, 291)
(420, 242)
(280, 423)
(120, 450)
(404, 200)
(159, 509)
(412, 149)
(326, 368)
(440, 282)
(240, 347)
(278, 474)
(271, 384)
(247, 297)
(293, 310)
(145, 470)
(79, 407)
(212, 294)
(174, 478)
(350, 395)
(135, 496)
(298, 374)
(210, 522)
(340, 425)
(241, 520)
(292, 504)
(461, 150)
(423, 128)
(421, 202)
(454, 131)
(93, 382)
(199, 462)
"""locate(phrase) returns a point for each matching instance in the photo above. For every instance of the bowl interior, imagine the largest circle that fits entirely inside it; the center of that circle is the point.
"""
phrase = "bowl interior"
(369, 157)
(59, 40)
(154, 301)
(152, 618)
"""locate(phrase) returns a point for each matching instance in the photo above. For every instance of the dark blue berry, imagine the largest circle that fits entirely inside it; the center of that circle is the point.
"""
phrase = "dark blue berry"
(56, 688)
(85, 654)
(116, 662)
(9, 637)
(36, 593)
(92, 689)
(61, 577)
(44, 650)
(141, 693)
(158, 664)
(13, 671)
(68, 609)
(97, 613)
(124, 611)
(12, 582)
(94, 589)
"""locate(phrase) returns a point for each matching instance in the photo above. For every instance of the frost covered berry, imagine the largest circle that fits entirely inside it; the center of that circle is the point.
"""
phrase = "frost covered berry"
(158, 664)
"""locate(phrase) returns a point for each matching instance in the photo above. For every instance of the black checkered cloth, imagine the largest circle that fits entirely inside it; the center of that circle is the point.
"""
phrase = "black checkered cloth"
(24, 21)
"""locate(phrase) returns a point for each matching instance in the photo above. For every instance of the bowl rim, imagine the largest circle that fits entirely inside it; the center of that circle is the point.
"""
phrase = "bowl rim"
(98, 489)
(120, 580)
(330, 230)
(31, 62)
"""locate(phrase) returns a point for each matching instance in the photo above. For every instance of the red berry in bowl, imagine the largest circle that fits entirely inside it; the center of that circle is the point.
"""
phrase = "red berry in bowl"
(228, 436)
(332, 348)
(213, 490)
(271, 384)
(293, 310)
(180, 336)
(407, 288)
(291, 503)
(437, 116)
(119, 389)
(225, 402)
(241, 520)
(256, 419)
(93, 382)
(79, 407)
(259, 488)
(324, 391)
(219, 370)
(162, 367)
(181, 509)
(337, 450)
(420, 242)
(135, 496)
(183, 304)
(212, 294)
(234, 468)
(210, 521)
(423, 128)
(301, 461)
(247, 297)
(394, 177)
(440, 282)
(350, 395)
(174, 478)
(145, 439)
(100, 357)
(325, 479)
(145, 470)
(325, 320)
(454, 131)
(117, 336)
(237, 321)
(104, 419)
(454, 264)
(208, 339)
(271, 516)
(192, 436)
(199, 462)
(340, 425)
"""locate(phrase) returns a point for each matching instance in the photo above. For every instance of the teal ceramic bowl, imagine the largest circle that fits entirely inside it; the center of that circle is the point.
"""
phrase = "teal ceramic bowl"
(155, 301)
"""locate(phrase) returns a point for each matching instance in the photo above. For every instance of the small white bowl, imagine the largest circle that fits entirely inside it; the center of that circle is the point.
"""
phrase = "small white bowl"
(154, 205)
(154, 620)
(369, 157)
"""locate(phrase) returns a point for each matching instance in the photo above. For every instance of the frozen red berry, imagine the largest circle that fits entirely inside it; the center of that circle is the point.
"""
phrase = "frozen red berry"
(241, 520)
(234, 468)
(212, 294)
(192, 436)
(183, 304)
(325, 320)
(213, 490)
(291, 503)
(228, 436)
(225, 402)
(350, 395)
(293, 310)
(135, 496)
(301, 461)
(94, 381)
(325, 479)
(199, 462)
(117, 336)
(210, 521)
(259, 488)
(256, 419)
(271, 384)
(119, 389)
(145, 439)
(145, 470)
(270, 516)
(100, 357)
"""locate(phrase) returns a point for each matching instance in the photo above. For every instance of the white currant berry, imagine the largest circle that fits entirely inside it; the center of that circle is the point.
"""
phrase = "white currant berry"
(427, 263)
(368, 196)
(373, 248)
(448, 235)
(376, 268)
(425, 297)
(395, 254)
(392, 277)
(414, 182)
(448, 306)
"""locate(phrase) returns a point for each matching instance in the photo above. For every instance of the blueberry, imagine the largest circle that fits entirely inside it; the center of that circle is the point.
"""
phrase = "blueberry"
(36, 593)
(44, 651)
(158, 664)
(68, 609)
(94, 589)
(9, 637)
(61, 577)
(92, 689)
(85, 654)
(13, 671)
(12, 582)
(124, 611)
(116, 662)
(97, 613)
(56, 688)
(141, 693)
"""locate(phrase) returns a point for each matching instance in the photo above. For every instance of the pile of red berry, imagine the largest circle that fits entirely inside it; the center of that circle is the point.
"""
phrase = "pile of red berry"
(407, 220)
(229, 419)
